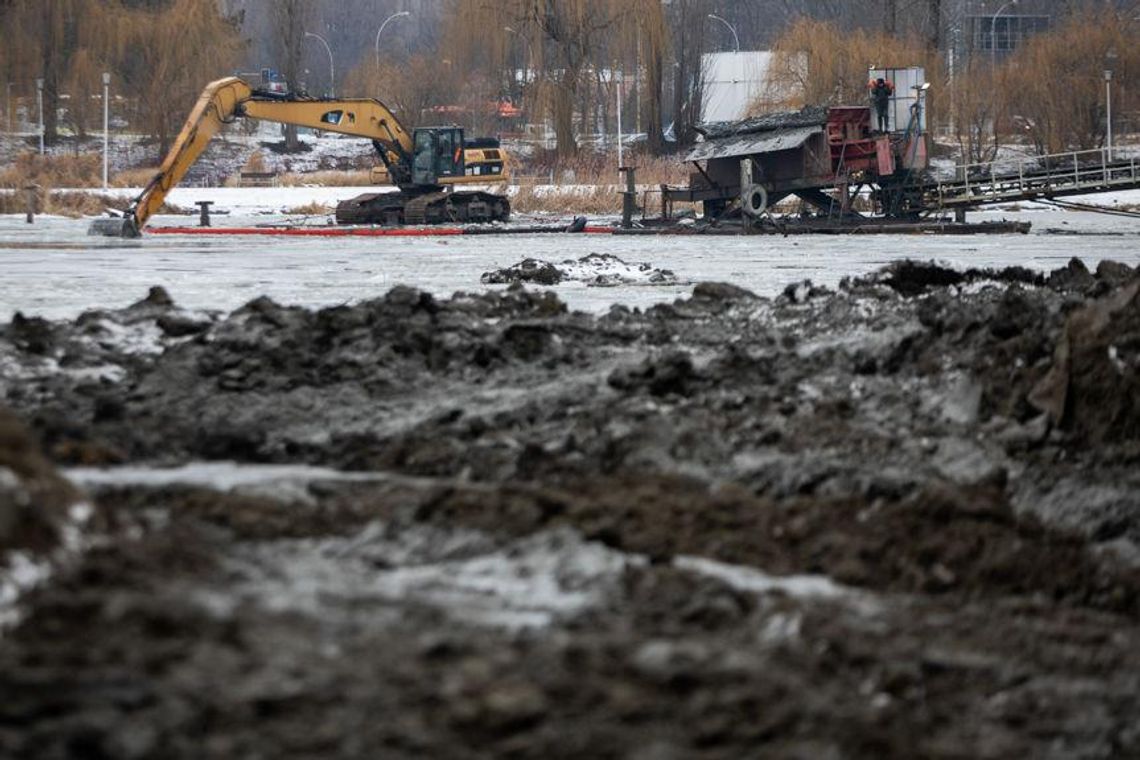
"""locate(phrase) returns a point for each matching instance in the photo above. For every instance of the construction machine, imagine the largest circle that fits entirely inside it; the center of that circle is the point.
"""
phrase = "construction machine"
(426, 164)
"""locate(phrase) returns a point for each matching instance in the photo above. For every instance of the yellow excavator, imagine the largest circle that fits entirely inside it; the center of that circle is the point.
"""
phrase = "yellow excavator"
(426, 165)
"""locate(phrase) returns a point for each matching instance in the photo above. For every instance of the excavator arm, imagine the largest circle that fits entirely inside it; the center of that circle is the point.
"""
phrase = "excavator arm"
(227, 99)
(216, 106)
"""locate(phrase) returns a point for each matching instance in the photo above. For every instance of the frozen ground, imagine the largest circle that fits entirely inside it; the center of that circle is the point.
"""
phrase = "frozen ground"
(55, 270)
(898, 518)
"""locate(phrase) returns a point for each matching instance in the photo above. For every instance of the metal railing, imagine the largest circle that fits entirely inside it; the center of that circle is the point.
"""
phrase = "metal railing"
(1056, 174)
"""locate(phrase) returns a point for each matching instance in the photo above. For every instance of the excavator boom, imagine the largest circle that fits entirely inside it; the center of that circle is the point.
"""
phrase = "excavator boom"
(227, 99)
(216, 106)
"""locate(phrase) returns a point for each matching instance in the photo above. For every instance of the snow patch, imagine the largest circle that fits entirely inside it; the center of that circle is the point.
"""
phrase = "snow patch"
(22, 571)
(528, 583)
(223, 476)
(755, 581)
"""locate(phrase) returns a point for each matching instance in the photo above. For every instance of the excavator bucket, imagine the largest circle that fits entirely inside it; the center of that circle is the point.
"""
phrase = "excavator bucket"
(114, 226)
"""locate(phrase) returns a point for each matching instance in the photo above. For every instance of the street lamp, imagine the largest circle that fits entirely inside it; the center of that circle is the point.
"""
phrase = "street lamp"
(735, 39)
(332, 71)
(381, 31)
(1109, 64)
(993, 31)
(40, 105)
(529, 52)
(106, 123)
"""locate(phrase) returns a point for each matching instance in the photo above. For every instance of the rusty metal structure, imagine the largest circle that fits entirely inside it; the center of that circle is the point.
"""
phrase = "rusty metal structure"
(824, 155)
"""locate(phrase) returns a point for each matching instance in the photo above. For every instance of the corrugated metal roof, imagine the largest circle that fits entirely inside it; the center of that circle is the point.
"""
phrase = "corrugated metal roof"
(746, 145)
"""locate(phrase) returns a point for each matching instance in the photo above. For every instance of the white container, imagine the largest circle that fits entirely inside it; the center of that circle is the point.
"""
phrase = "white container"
(906, 82)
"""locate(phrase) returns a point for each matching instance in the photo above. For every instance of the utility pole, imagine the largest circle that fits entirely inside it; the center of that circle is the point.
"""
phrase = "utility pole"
(106, 124)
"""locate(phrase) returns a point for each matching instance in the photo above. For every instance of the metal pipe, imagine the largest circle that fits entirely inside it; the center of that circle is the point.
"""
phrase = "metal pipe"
(381, 31)
(332, 70)
(735, 39)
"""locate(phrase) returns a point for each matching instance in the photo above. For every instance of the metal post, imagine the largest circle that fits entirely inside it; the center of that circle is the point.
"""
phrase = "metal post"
(629, 197)
(204, 214)
(30, 192)
(9, 102)
(617, 81)
(40, 103)
(1108, 109)
(745, 186)
(106, 124)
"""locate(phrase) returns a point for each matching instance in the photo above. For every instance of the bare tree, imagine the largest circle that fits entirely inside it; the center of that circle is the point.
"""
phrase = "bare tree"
(290, 18)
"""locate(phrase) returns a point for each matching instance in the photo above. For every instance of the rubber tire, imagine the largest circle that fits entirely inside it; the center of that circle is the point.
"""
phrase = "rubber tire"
(754, 200)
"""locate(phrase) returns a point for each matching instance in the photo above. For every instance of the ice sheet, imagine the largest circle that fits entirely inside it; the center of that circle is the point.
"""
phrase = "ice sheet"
(53, 269)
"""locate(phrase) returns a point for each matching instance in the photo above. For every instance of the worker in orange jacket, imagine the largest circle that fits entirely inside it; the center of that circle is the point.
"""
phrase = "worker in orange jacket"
(881, 91)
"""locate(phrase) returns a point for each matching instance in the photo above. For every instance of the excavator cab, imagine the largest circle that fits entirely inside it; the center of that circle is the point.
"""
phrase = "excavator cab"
(437, 154)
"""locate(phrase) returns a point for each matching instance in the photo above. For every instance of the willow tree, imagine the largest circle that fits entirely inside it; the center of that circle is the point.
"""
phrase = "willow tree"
(41, 40)
(1054, 80)
(413, 88)
(289, 20)
(175, 52)
(160, 54)
(566, 43)
(824, 63)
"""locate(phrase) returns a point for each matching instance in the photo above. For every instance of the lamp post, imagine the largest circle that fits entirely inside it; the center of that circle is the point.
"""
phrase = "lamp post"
(332, 70)
(106, 123)
(993, 31)
(1109, 64)
(529, 52)
(735, 39)
(381, 31)
(40, 105)
(617, 82)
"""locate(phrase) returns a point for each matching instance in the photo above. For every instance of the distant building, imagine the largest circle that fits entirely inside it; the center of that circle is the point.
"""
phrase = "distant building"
(1002, 34)
(733, 82)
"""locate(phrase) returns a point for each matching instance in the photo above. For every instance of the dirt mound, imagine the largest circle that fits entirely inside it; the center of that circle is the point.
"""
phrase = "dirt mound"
(890, 520)
(910, 278)
(34, 499)
(962, 542)
(1093, 388)
(596, 269)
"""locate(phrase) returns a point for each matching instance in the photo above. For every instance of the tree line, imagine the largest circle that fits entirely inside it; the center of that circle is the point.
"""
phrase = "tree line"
(159, 53)
(565, 62)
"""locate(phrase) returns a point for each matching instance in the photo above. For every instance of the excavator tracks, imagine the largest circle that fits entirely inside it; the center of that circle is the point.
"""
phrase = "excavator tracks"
(438, 207)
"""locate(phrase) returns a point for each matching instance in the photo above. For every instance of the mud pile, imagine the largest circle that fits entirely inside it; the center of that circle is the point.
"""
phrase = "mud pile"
(595, 269)
(893, 519)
